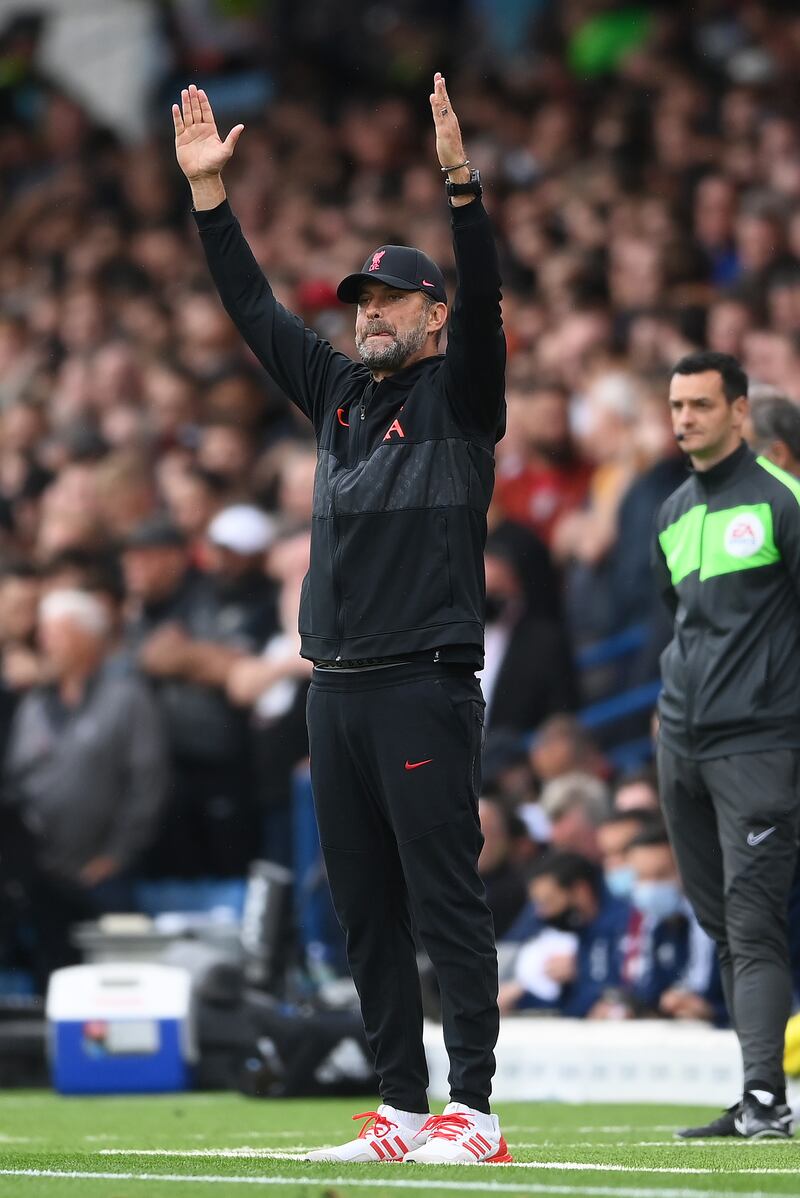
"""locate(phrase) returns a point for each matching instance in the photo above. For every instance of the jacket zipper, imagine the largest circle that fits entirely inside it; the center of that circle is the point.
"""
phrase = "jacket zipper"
(690, 689)
(337, 552)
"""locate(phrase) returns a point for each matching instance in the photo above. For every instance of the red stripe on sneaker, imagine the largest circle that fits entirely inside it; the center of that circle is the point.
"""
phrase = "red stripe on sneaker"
(502, 1156)
(484, 1143)
(377, 1149)
(400, 1145)
(470, 1148)
(388, 1146)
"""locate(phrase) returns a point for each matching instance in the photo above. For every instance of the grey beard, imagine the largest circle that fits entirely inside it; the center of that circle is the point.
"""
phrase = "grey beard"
(395, 353)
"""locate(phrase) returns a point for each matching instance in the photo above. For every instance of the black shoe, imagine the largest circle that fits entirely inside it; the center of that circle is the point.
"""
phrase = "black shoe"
(725, 1125)
(754, 1121)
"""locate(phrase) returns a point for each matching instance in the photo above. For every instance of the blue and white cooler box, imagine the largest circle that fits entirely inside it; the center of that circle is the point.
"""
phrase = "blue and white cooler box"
(120, 1029)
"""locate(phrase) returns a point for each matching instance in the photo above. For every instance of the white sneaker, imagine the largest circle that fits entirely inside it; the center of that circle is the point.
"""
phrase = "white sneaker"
(461, 1136)
(383, 1137)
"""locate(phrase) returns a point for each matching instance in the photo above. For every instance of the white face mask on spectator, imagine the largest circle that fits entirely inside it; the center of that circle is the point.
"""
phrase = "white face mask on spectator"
(659, 899)
(621, 881)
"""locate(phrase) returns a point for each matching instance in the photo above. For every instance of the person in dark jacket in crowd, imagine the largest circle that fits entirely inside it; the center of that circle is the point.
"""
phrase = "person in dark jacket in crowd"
(575, 971)
(184, 637)
(773, 430)
(517, 697)
(499, 863)
(392, 615)
(86, 769)
(20, 586)
(669, 960)
(727, 557)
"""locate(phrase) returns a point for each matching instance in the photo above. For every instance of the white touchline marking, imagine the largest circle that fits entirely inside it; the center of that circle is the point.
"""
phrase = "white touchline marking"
(564, 1166)
(676, 1143)
(245, 1152)
(587, 1130)
(492, 1187)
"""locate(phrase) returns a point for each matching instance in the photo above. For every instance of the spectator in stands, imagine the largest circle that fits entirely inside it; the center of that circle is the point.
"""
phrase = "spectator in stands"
(563, 745)
(179, 641)
(19, 601)
(576, 804)
(614, 836)
(99, 574)
(505, 842)
(86, 761)
(669, 964)
(540, 475)
(193, 498)
(273, 685)
(517, 697)
(608, 419)
(662, 468)
(774, 431)
(238, 538)
(568, 896)
(637, 790)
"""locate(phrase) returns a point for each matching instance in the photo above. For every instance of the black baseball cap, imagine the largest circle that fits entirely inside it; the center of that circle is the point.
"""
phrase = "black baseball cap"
(398, 266)
(156, 532)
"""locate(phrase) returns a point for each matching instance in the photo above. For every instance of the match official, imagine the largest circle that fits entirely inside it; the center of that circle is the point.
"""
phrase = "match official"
(727, 555)
(392, 616)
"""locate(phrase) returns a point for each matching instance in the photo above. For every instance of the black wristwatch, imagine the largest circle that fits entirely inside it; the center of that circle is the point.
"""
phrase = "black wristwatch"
(472, 188)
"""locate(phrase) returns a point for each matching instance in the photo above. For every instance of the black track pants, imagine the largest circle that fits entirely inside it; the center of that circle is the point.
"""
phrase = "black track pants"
(395, 767)
(733, 822)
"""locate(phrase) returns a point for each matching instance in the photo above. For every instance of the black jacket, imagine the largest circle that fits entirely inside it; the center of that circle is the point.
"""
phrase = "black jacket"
(536, 678)
(727, 555)
(406, 466)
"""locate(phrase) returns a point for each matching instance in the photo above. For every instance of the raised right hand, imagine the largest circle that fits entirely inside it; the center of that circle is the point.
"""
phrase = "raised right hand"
(200, 151)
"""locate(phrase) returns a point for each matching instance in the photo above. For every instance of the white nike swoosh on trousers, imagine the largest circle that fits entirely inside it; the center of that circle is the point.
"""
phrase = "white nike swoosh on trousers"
(753, 840)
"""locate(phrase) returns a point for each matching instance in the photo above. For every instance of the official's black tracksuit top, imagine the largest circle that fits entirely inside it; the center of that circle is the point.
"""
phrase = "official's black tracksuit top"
(405, 466)
(727, 554)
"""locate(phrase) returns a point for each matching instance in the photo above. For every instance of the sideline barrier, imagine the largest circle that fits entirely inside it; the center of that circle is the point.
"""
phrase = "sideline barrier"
(570, 1060)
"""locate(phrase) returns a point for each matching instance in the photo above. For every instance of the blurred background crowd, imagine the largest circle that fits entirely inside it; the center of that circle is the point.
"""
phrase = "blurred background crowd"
(641, 163)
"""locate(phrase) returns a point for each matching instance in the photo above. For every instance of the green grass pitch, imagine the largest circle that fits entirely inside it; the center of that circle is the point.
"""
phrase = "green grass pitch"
(223, 1145)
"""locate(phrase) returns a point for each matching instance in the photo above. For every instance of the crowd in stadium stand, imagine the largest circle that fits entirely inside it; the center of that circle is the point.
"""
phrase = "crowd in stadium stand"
(643, 175)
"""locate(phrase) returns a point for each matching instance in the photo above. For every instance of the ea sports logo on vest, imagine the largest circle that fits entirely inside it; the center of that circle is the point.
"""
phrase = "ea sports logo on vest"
(745, 535)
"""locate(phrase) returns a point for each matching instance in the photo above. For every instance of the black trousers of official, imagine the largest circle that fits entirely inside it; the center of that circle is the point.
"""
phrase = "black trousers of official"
(733, 822)
(395, 768)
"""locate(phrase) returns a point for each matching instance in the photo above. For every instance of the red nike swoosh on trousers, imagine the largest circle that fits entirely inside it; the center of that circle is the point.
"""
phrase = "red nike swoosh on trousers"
(414, 765)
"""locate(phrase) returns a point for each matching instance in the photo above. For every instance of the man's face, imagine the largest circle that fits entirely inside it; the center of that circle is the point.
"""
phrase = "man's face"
(653, 863)
(19, 599)
(226, 566)
(153, 572)
(728, 322)
(636, 795)
(614, 839)
(542, 419)
(68, 646)
(705, 419)
(566, 907)
(574, 831)
(392, 326)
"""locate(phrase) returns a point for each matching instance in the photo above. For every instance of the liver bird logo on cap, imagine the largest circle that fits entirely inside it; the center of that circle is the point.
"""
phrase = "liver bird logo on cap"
(376, 259)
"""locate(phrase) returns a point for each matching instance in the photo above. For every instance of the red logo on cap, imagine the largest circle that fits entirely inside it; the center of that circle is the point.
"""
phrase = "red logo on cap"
(425, 283)
(376, 259)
